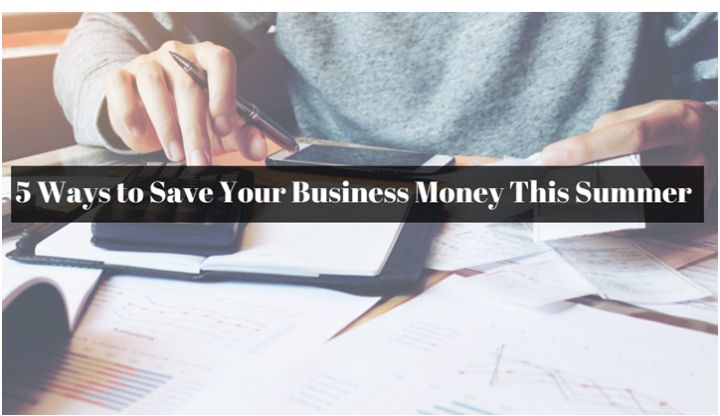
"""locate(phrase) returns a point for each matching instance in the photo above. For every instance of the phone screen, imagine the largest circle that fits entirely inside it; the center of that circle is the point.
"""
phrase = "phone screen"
(351, 156)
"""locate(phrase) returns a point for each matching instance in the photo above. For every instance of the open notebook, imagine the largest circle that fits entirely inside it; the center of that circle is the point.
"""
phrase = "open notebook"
(294, 249)
(65, 288)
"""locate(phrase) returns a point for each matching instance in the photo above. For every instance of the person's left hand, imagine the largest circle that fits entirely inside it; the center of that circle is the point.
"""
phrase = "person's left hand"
(665, 132)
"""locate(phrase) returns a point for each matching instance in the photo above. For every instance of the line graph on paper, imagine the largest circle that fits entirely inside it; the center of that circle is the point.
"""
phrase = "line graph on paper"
(508, 383)
(147, 346)
(193, 314)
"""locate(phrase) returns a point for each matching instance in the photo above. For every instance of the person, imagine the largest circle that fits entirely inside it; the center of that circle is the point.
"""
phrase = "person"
(578, 86)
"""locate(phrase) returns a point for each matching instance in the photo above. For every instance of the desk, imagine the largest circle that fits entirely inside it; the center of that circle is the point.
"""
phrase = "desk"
(84, 155)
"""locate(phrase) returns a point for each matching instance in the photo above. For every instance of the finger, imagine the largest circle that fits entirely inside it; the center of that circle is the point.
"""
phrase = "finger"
(643, 110)
(221, 70)
(675, 124)
(153, 90)
(248, 140)
(629, 113)
(709, 180)
(126, 113)
(191, 105)
(231, 142)
(216, 145)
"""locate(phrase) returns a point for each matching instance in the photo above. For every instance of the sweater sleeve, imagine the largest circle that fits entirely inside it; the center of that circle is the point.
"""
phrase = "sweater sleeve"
(103, 41)
(691, 39)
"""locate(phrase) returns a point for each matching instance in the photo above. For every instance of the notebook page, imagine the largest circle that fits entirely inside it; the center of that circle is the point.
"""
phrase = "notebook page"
(310, 249)
(74, 242)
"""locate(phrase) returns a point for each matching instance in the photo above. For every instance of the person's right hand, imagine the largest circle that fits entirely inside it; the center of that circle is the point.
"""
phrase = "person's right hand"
(152, 104)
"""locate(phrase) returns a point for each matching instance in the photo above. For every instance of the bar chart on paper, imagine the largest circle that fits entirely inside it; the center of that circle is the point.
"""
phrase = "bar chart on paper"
(103, 383)
(88, 377)
(154, 346)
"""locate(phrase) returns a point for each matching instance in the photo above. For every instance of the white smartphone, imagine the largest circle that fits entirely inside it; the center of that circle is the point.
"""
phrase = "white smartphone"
(361, 157)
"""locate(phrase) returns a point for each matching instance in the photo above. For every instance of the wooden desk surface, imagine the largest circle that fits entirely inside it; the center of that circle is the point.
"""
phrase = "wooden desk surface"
(84, 155)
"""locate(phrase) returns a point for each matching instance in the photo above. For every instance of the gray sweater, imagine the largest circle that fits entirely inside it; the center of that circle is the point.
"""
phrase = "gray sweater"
(491, 84)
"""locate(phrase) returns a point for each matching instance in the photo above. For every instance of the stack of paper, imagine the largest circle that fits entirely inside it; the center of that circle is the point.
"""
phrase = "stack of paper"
(622, 271)
(462, 245)
(548, 231)
(704, 274)
(694, 253)
(534, 281)
(541, 263)
(500, 261)
(149, 346)
(448, 352)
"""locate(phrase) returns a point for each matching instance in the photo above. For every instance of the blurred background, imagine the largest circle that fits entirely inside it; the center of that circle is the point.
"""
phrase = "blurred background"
(32, 119)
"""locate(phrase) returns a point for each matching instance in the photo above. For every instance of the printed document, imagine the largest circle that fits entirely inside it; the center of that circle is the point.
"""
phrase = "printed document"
(149, 346)
(449, 352)
(621, 270)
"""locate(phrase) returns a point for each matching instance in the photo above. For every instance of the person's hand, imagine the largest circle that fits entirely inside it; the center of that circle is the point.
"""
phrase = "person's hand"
(665, 132)
(153, 104)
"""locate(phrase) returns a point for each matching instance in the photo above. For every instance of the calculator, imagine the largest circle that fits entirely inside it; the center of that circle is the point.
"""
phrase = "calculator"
(193, 229)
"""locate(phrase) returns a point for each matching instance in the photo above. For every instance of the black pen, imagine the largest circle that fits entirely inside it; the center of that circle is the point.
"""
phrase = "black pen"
(249, 111)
